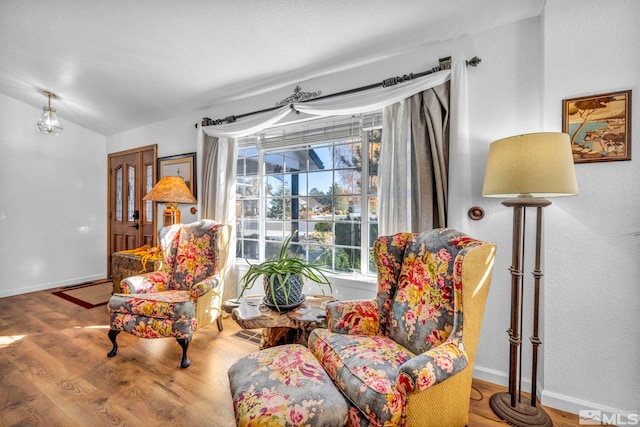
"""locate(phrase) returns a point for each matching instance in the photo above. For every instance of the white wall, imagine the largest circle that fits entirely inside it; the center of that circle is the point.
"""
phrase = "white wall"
(53, 207)
(591, 298)
(504, 97)
(592, 320)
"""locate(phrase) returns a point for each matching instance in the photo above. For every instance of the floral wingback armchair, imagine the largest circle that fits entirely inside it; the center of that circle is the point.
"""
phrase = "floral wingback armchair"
(406, 357)
(184, 295)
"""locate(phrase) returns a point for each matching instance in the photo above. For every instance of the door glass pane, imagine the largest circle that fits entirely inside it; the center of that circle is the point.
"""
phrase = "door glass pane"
(131, 200)
(148, 216)
(119, 194)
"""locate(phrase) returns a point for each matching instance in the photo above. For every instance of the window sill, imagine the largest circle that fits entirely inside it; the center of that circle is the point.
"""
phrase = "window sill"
(344, 286)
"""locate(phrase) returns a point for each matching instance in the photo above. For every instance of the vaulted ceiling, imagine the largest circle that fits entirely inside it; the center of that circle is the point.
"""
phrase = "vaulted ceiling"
(120, 64)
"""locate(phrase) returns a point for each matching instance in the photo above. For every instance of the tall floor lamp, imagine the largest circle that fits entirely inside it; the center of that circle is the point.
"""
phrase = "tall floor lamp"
(526, 170)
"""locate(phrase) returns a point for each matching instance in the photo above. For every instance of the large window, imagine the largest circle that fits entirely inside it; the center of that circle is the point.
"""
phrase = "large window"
(318, 181)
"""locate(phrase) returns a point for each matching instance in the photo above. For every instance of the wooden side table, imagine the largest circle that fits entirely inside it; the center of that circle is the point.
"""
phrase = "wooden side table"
(282, 328)
(126, 264)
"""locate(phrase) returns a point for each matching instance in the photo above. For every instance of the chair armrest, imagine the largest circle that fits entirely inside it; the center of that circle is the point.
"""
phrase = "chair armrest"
(201, 288)
(355, 317)
(155, 281)
(432, 367)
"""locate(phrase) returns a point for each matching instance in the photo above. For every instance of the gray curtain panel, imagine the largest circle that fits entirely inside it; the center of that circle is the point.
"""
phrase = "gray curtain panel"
(429, 158)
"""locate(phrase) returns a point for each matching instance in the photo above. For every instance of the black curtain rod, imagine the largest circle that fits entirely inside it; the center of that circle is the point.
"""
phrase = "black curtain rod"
(444, 63)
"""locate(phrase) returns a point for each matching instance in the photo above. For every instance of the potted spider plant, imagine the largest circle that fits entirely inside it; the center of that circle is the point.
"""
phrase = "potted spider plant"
(283, 278)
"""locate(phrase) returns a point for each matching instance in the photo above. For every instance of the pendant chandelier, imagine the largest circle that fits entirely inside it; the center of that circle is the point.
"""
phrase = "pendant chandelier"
(48, 123)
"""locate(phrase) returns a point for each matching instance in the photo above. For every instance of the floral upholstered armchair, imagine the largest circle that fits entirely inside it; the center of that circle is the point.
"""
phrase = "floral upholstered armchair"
(184, 295)
(406, 357)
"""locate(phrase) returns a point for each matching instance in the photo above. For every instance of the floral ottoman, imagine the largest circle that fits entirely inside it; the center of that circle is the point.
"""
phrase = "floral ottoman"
(285, 386)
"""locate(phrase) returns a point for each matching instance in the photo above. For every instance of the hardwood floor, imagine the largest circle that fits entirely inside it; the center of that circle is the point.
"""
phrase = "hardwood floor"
(54, 372)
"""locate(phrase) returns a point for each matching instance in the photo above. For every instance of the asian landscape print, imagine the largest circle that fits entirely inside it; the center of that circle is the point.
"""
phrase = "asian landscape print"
(599, 127)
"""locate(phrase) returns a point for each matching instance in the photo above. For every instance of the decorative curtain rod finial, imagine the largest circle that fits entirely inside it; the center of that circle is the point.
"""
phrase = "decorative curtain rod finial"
(206, 121)
(474, 61)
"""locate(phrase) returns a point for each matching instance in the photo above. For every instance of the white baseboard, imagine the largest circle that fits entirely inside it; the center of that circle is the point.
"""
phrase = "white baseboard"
(549, 399)
(574, 405)
(490, 375)
(49, 285)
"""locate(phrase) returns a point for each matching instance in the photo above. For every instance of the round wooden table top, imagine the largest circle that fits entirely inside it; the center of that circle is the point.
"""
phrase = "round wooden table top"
(253, 314)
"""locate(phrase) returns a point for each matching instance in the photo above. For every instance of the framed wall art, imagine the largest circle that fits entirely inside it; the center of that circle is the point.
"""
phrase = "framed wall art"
(599, 126)
(182, 165)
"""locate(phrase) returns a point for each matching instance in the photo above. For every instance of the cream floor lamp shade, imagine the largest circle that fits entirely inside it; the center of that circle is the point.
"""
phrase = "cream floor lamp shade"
(533, 165)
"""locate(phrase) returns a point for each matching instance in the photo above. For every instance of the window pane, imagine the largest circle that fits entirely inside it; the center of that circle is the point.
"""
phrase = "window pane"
(296, 161)
(320, 157)
(250, 208)
(272, 249)
(320, 232)
(295, 184)
(251, 166)
(347, 259)
(349, 181)
(247, 249)
(375, 138)
(274, 185)
(320, 183)
(274, 230)
(273, 163)
(297, 250)
(373, 208)
(277, 207)
(248, 228)
(348, 234)
(292, 208)
(321, 255)
(248, 186)
(240, 170)
(347, 207)
(372, 263)
(373, 234)
(290, 185)
(348, 156)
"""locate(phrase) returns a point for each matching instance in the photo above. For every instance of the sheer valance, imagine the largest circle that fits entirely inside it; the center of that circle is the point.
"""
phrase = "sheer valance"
(348, 104)
(372, 99)
(248, 125)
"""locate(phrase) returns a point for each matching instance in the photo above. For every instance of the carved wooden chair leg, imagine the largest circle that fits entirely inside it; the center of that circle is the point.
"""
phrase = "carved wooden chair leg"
(184, 343)
(112, 336)
(219, 322)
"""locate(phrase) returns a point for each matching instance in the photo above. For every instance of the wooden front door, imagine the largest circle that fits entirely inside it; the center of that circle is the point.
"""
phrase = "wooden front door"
(132, 174)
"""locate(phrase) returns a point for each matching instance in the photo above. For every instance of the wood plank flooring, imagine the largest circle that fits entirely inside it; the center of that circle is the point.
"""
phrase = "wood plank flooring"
(54, 372)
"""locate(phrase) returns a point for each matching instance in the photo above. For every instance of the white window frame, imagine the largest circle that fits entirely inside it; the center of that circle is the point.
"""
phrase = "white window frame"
(300, 135)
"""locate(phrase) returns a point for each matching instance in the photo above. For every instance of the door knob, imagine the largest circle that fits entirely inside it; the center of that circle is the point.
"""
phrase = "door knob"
(136, 226)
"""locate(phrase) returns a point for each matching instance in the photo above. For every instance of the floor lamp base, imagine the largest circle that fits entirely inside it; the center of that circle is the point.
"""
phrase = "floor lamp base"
(522, 415)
